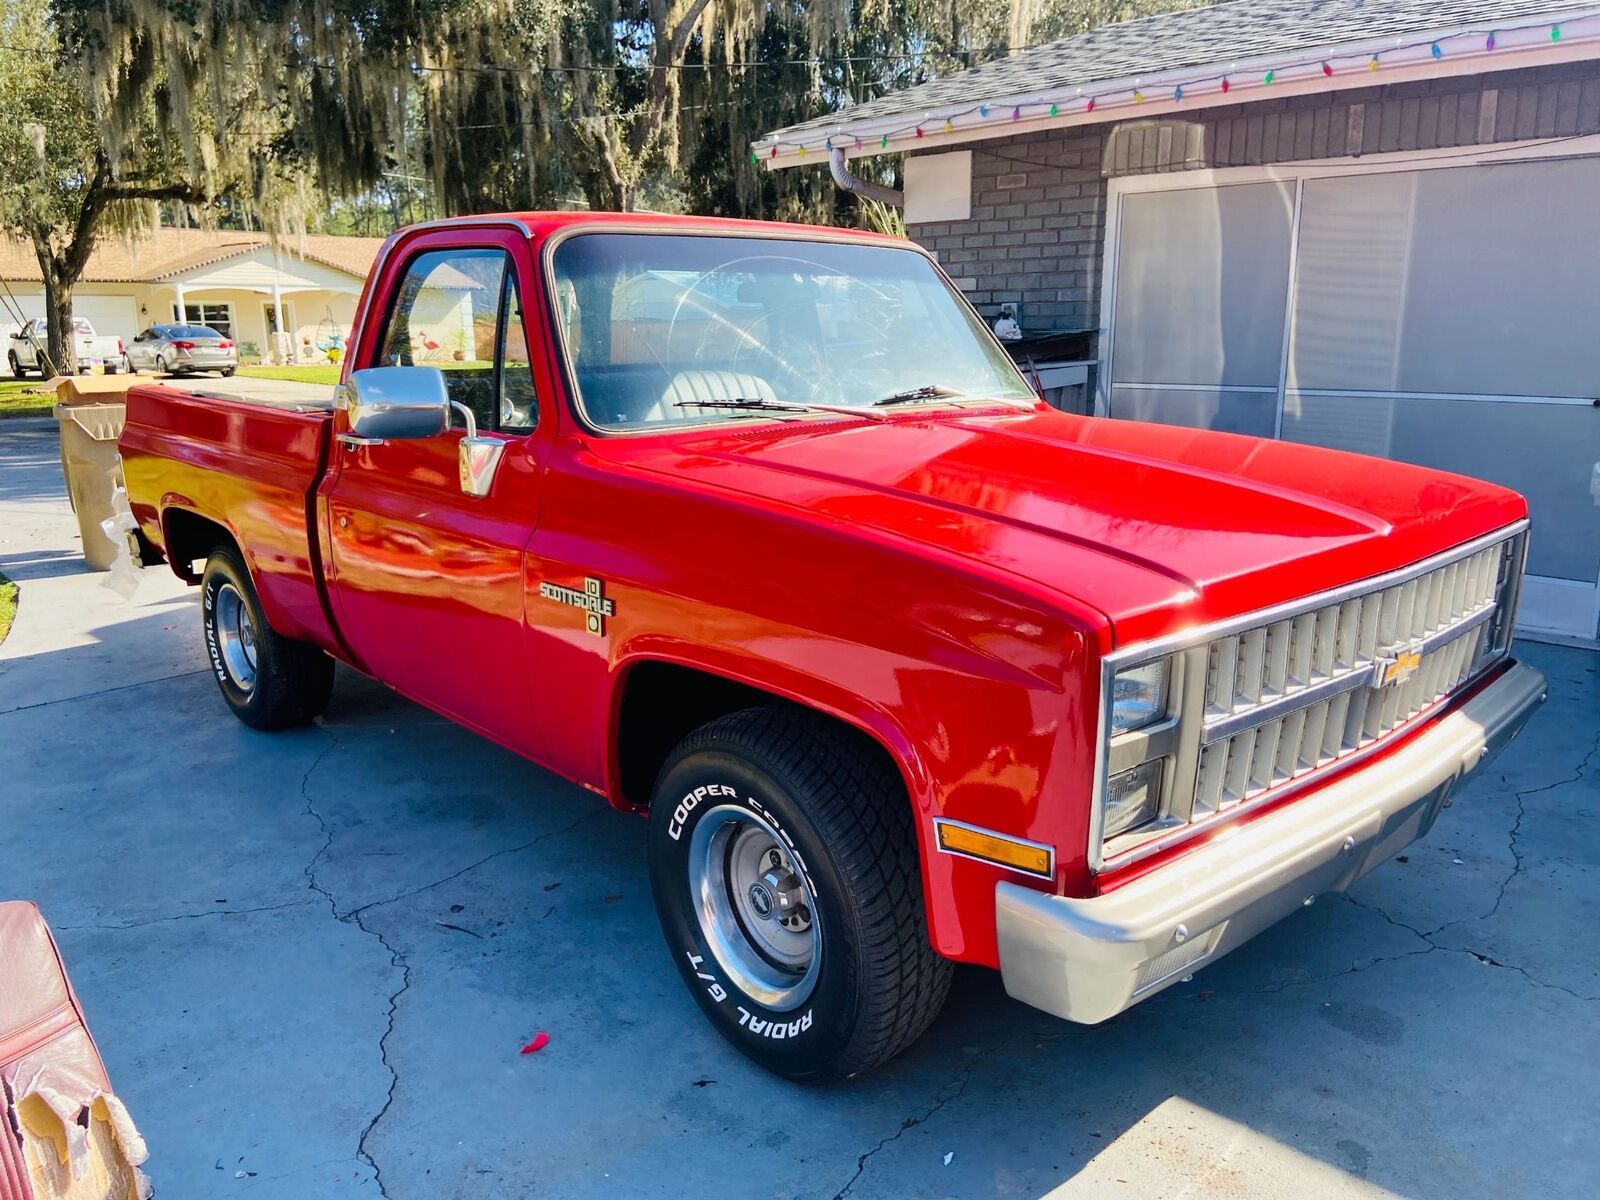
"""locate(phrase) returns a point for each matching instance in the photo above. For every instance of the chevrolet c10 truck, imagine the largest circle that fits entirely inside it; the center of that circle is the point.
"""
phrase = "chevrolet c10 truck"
(754, 529)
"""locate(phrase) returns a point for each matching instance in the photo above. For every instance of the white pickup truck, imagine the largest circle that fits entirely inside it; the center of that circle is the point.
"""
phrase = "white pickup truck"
(28, 347)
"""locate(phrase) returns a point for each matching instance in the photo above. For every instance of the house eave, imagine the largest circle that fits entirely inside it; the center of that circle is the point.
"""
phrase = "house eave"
(1464, 51)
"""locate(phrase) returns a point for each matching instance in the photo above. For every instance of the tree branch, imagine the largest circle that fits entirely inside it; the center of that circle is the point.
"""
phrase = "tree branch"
(71, 258)
(133, 189)
(678, 42)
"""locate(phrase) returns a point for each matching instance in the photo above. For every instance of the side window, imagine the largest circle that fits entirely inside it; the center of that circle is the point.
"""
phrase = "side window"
(444, 314)
(519, 403)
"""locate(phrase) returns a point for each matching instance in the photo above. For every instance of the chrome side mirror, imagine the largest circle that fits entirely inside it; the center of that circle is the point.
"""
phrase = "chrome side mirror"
(395, 402)
(478, 458)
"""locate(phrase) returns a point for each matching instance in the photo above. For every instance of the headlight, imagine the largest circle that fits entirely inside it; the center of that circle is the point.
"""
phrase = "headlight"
(1132, 798)
(1139, 696)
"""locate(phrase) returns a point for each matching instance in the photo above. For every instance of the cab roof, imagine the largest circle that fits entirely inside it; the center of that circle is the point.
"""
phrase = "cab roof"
(542, 224)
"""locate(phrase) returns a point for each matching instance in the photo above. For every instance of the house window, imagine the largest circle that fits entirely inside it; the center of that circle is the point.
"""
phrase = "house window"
(217, 316)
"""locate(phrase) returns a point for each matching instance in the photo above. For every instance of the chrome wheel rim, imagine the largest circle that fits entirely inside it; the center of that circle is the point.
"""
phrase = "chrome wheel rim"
(755, 907)
(236, 637)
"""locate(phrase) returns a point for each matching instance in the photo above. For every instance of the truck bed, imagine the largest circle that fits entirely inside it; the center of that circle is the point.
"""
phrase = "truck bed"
(194, 462)
(297, 406)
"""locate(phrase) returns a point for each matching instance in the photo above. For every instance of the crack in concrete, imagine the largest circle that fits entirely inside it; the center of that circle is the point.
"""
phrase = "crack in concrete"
(194, 916)
(22, 708)
(1487, 960)
(1512, 839)
(396, 959)
(949, 1093)
(528, 845)
(1516, 826)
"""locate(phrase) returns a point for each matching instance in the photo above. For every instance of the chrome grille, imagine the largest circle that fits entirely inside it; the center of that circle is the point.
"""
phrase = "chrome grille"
(1288, 656)
(1255, 704)
(1273, 753)
(1290, 697)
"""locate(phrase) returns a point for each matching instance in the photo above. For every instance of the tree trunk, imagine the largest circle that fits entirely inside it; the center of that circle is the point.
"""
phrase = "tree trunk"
(58, 316)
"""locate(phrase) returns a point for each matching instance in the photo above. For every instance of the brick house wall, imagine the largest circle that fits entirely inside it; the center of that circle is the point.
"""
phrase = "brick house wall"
(1037, 231)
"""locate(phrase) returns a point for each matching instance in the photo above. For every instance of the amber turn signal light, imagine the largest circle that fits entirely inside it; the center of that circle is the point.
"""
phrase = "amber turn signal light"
(972, 842)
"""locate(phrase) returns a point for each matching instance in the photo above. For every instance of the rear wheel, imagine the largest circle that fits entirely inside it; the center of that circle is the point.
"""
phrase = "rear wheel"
(161, 366)
(270, 681)
(227, 372)
(786, 878)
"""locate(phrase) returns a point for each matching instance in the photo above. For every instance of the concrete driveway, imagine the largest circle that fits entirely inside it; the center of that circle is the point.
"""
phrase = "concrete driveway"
(310, 959)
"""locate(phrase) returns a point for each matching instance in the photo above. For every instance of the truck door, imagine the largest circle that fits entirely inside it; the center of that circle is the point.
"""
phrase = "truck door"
(427, 581)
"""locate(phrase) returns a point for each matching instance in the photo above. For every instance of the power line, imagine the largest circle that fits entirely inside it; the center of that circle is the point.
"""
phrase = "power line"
(645, 68)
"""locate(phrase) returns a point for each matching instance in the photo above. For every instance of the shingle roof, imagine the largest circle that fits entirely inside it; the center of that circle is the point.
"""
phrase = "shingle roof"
(165, 253)
(1198, 39)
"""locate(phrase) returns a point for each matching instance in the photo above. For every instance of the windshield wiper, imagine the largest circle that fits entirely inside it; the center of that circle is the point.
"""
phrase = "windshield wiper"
(928, 391)
(759, 404)
(935, 391)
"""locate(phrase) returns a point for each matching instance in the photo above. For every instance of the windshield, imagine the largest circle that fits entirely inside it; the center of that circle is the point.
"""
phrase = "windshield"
(665, 329)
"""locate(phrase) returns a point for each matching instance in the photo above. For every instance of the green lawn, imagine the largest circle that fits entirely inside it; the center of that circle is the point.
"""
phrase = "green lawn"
(327, 373)
(8, 606)
(19, 399)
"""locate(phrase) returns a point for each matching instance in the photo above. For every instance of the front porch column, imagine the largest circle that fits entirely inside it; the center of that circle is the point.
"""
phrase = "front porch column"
(182, 314)
(280, 339)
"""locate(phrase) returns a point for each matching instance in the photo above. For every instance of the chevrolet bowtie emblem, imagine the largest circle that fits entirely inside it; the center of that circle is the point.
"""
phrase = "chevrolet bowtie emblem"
(1397, 667)
(596, 605)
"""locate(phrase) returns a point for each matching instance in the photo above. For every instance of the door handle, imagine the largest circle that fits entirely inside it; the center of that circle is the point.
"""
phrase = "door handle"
(355, 442)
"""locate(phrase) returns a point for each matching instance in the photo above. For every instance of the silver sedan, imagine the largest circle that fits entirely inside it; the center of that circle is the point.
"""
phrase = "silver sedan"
(181, 349)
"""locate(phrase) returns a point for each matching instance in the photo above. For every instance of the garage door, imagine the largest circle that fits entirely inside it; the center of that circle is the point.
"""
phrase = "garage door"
(116, 315)
(1434, 316)
(16, 303)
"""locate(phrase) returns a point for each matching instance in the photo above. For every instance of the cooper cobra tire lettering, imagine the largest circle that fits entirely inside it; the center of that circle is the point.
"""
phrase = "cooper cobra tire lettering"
(690, 802)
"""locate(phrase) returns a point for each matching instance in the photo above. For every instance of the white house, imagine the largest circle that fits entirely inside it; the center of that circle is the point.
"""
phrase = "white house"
(242, 284)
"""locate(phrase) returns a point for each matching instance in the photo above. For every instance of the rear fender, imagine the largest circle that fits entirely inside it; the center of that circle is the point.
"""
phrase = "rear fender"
(190, 536)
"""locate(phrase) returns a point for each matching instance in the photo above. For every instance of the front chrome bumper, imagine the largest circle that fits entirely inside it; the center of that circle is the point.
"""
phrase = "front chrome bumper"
(1089, 959)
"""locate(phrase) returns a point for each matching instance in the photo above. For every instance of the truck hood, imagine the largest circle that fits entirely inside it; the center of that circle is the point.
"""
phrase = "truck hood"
(1155, 527)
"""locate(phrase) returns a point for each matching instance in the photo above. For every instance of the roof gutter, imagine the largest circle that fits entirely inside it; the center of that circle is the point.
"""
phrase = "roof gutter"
(856, 185)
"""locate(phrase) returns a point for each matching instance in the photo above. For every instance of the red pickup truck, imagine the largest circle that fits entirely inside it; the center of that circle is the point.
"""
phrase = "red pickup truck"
(756, 530)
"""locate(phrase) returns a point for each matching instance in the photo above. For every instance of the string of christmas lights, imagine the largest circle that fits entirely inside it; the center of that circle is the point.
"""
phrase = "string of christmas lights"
(1224, 83)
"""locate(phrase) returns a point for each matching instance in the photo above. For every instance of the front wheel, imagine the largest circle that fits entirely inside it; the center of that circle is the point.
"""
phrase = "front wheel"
(18, 371)
(269, 681)
(785, 871)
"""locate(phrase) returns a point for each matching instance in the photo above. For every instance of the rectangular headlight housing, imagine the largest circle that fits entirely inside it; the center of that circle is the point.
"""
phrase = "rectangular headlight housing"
(1133, 798)
(1139, 696)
